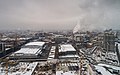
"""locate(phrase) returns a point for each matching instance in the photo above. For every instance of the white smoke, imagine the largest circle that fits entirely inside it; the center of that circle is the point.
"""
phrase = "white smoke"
(76, 29)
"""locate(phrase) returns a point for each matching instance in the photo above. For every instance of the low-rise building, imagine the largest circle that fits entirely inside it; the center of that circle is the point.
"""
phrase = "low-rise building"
(29, 50)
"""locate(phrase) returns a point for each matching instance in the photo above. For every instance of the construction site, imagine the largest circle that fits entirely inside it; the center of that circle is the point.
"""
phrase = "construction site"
(84, 53)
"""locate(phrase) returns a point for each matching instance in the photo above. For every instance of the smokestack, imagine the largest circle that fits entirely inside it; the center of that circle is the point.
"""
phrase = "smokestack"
(118, 53)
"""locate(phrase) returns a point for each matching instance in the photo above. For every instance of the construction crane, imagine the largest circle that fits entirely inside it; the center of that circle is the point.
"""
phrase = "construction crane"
(6, 65)
(7, 62)
(81, 64)
(90, 71)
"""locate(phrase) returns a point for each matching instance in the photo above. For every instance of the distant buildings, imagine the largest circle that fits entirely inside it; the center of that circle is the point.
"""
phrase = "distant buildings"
(81, 39)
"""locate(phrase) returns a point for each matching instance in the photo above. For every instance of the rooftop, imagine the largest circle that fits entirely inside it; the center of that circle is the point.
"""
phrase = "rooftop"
(66, 47)
(31, 48)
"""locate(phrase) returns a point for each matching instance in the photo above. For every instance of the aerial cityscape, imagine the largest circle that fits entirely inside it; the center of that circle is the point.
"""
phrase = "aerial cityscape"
(55, 37)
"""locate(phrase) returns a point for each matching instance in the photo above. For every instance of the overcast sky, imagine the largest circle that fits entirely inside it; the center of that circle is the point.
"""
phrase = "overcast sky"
(59, 14)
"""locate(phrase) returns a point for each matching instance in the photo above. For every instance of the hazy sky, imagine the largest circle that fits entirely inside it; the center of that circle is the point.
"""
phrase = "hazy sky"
(59, 14)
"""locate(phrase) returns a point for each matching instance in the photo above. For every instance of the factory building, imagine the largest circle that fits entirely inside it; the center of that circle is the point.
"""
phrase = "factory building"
(67, 51)
(29, 50)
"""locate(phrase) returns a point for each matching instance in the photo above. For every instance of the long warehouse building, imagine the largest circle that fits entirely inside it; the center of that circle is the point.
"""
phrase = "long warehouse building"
(29, 50)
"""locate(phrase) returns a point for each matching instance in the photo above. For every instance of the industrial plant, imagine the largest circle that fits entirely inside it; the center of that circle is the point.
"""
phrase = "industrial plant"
(60, 53)
(59, 37)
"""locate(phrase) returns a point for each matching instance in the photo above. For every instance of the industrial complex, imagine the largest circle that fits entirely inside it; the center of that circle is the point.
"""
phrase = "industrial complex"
(58, 53)
(59, 37)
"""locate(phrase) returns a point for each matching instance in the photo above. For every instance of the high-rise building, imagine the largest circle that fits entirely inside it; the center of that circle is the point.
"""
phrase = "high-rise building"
(118, 52)
(109, 41)
(2, 47)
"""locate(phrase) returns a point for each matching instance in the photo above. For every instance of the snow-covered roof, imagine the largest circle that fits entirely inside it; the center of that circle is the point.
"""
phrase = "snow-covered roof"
(69, 56)
(110, 66)
(102, 70)
(35, 43)
(65, 73)
(66, 47)
(31, 50)
(27, 51)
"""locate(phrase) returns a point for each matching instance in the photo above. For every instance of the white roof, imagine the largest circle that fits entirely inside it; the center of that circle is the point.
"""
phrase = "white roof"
(102, 70)
(66, 47)
(35, 43)
(114, 67)
(69, 56)
(31, 50)
(27, 51)
(51, 56)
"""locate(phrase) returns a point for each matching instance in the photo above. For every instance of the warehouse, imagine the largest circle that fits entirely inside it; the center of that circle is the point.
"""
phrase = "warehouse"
(29, 50)
(67, 51)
